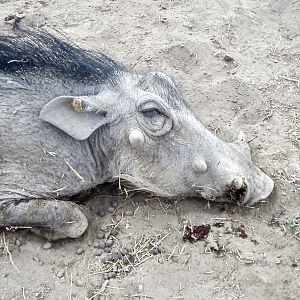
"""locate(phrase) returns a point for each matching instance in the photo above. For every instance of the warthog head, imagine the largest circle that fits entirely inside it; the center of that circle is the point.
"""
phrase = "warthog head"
(151, 138)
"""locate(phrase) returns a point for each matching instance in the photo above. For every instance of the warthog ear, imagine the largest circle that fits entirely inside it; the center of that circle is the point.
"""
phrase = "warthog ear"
(79, 117)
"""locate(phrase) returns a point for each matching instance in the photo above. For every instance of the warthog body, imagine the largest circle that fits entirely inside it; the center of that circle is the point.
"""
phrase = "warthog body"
(71, 119)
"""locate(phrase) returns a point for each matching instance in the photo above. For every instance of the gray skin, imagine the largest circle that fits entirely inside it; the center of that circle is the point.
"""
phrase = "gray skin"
(61, 137)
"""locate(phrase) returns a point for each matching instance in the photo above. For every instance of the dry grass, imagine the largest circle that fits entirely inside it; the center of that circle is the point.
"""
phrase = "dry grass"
(294, 226)
(142, 250)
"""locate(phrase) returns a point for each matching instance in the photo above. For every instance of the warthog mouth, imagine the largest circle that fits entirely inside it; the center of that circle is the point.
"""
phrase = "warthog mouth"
(238, 195)
(237, 192)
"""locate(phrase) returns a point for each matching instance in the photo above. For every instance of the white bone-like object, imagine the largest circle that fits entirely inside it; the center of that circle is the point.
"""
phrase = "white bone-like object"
(238, 183)
(242, 136)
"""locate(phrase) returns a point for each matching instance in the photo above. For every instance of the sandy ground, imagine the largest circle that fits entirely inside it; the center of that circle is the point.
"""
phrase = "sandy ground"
(258, 91)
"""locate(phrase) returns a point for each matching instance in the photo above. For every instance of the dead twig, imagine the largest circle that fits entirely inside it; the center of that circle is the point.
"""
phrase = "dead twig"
(74, 171)
(8, 253)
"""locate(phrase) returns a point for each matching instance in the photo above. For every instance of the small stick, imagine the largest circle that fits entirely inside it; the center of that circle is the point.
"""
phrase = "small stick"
(131, 263)
(156, 244)
(137, 62)
(9, 254)
(49, 152)
(71, 283)
(140, 296)
(255, 137)
(172, 253)
(295, 235)
(102, 289)
(285, 207)
(114, 226)
(292, 79)
(18, 227)
(75, 172)
(142, 261)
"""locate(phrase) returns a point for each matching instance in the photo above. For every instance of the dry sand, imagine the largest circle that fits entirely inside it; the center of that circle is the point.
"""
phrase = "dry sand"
(258, 91)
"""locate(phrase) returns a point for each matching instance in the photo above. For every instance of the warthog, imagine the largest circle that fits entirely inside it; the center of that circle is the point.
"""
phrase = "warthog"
(71, 119)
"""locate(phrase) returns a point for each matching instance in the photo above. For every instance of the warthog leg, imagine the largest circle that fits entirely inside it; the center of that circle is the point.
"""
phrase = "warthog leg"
(52, 219)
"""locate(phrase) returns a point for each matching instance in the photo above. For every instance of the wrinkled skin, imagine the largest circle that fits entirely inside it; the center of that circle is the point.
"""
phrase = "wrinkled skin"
(71, 120)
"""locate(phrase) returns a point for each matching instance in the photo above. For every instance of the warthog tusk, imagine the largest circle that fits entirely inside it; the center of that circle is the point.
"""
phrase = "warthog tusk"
(238, 183)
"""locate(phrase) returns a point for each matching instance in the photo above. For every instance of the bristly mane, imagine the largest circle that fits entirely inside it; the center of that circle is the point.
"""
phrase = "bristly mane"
(38, 51)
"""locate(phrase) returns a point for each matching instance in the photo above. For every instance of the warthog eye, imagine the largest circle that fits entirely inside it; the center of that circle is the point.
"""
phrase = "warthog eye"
(152, 113)
(154, 117)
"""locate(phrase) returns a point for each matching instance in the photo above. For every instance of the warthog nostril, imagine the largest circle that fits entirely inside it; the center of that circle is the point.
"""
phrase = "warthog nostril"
(237, 190)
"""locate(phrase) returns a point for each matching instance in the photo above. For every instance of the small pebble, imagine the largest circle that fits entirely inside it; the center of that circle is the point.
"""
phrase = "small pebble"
(114, 203)
(128, 213)
(114, 232)
(79, 251)
(116, 256)
(110, 209)
(125, 260)
(100, 235)
(128, 259)
(110, 258)
(127, 269)
(128, 248)
(131, 258)
(112, 275)
(140, 288)
(228, 230)
(123, 251)
(101, 244)
(109, 243)
(90, 242)
(18, 242)
(36, 258)
(97, 244)
(98, 252)
(47, 246)
(95, 283)
(61, 273)
(101, 212)
(227, 58)
(103, 228)
(294, 264)
(107, 249)
(154, 251)
(105, 277)
(104, 260)
(78, 282)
